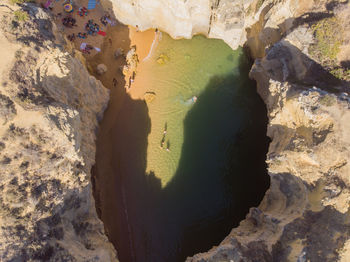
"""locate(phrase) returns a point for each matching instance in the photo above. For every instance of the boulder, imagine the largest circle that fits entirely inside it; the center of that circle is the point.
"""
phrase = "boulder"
(119, 52)
(101, 69)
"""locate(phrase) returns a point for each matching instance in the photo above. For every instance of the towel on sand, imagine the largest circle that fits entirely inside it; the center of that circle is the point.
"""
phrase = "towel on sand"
(47, 4)
(91, 4)
(101, 33)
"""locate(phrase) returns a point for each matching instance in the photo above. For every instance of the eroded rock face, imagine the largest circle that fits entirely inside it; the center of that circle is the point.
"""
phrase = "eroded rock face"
(50, 107)
(234, 21)
(49, 112)
(304, 214)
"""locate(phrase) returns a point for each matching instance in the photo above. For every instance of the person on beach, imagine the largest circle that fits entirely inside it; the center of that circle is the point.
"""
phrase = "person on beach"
(162, 142)
(165, 128)
(168, 146)
(87, 49)
(82, 35)
(103, 20)
(71, 37)
(69, 21)
(115, 82)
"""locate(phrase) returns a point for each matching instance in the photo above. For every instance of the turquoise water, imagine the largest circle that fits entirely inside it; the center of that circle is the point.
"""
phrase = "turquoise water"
(173, 204)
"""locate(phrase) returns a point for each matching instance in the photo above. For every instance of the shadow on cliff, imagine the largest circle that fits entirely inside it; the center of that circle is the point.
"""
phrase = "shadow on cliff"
(261, 40)
(221, 173)
(286, 62)
(259, 37)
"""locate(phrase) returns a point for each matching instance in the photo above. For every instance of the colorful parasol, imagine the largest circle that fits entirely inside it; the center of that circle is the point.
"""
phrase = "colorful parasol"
(68, 8)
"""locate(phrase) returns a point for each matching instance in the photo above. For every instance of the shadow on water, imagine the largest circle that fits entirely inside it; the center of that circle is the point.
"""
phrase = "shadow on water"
(221, 174)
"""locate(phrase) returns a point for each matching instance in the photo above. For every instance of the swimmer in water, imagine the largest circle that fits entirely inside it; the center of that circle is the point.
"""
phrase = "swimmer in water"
(162, 142)
(165, 128)
(168, 146)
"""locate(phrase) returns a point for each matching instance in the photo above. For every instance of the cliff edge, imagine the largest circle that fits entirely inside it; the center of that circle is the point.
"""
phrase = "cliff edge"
(50, 107)
(49, 112)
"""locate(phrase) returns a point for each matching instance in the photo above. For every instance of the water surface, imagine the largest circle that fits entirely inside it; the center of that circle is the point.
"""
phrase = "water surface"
(170, 204)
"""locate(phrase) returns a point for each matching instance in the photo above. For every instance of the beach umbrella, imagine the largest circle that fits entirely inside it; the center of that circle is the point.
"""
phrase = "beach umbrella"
(68, 8)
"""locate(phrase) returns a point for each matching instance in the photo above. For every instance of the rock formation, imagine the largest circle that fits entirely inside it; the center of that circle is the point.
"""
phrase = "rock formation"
(50, 107)
(49, 111)
(230, 20)
(101, 69)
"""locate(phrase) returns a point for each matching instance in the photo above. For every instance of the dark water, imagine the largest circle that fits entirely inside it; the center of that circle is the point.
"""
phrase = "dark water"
(216, 162)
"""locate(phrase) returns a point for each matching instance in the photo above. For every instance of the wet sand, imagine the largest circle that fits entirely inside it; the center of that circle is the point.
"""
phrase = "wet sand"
(123, 118)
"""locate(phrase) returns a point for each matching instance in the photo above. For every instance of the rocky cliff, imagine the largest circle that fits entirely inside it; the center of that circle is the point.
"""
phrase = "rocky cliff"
(50, 107)
(49, 112)
(302, 53)
(234, 21)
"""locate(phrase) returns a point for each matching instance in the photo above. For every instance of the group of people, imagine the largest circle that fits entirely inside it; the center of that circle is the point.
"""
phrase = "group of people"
(87, 49)
(92, 28)
(82, 35)
(82, 11)
(106, 19)
(69, 21)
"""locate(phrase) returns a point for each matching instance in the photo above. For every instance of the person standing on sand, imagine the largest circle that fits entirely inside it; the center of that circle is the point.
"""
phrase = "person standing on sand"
(115, 82)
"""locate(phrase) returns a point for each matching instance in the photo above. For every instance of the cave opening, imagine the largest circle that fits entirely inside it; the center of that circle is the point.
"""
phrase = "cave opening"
(182, 158)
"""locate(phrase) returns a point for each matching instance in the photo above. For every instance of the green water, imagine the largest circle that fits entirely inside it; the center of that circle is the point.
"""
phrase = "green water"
(174, 204)
(192, 65)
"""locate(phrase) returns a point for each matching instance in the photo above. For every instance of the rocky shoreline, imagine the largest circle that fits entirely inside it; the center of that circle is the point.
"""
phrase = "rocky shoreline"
(50, 108)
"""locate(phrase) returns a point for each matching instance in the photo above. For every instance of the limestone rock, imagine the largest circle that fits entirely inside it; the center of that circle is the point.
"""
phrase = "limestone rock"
(50, 107)
(7, 109)
(233, 21)
(163, 59)
(149, 97)
(49, 112)
(101, 69)
(119, 52)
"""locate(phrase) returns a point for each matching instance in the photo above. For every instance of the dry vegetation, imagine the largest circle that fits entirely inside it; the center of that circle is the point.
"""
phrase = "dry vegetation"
(328, 41)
